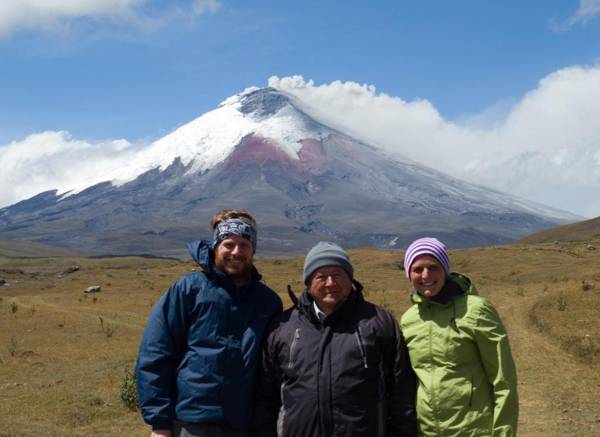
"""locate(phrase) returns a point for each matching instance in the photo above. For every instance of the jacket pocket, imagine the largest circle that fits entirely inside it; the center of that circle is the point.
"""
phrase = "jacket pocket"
(295, 339)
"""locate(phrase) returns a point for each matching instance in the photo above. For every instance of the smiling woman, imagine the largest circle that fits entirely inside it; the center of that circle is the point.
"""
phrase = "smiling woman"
(458, 347)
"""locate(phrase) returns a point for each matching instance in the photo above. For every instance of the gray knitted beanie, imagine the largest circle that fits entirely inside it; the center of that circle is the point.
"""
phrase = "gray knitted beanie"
(324, 254)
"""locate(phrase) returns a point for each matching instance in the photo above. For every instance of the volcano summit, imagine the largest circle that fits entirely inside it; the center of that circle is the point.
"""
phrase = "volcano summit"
(303, 181)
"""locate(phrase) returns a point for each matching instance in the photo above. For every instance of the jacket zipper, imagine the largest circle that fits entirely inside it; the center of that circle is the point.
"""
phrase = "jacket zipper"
(361, 347)
(295, 339)
(431, 311)
(471, 396)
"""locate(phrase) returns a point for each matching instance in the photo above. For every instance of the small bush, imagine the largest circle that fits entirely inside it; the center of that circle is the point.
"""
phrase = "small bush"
(584, 347)
(13, 307)
(13, 346)
(586, 286)
(129, 394)
(562, 303)
(107, 328)
(536, 316)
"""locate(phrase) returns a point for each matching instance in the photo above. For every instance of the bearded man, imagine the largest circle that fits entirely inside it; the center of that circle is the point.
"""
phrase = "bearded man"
(199, 355)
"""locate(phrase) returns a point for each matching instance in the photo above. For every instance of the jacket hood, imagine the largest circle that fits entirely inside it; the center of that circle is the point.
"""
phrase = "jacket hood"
(202, 252)
(461, 281)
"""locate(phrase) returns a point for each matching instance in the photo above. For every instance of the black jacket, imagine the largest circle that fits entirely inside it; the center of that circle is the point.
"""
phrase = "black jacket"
(348, 376)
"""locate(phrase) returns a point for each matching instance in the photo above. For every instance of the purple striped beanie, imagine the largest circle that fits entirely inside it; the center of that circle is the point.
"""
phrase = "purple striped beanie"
(426, 246)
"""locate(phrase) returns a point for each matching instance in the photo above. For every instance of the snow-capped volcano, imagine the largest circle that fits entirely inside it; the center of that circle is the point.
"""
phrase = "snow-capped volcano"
(302, 180)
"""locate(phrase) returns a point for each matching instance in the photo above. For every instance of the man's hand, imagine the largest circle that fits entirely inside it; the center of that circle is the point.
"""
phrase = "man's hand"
(161, 433)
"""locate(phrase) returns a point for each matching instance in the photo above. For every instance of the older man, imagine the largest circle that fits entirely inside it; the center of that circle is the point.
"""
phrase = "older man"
(335, 364)
(200, 352)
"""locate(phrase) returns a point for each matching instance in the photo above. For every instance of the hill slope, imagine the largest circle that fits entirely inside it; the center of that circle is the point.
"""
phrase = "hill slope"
(580, 231)
(29, 249)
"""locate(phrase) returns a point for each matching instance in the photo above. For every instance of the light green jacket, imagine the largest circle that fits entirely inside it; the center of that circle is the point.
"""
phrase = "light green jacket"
(467, 382)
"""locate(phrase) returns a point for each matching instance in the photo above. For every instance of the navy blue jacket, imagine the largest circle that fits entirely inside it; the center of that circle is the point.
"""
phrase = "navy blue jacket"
(201, 348)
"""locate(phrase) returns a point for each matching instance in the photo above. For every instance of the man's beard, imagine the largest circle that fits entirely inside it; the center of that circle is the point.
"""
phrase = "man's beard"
(238, 270)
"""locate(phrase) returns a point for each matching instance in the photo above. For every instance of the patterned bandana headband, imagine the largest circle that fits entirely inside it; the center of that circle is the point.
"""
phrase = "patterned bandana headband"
(237, 227)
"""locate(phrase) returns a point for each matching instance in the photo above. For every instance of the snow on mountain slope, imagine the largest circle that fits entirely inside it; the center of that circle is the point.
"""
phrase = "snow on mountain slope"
(210, 139)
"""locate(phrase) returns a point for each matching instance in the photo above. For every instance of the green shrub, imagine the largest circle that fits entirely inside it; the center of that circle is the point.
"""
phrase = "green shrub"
(129, 394)
(12, 346)
(562, 303)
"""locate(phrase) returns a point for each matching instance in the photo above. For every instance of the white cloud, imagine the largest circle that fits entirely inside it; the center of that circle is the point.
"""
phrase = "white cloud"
(54, 160)
(587, 10)
(201, 6)
(360, 111)
(60, 15)
(546, 147)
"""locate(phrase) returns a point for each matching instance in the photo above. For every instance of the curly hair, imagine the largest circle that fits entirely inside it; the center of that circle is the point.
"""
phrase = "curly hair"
(229, 214)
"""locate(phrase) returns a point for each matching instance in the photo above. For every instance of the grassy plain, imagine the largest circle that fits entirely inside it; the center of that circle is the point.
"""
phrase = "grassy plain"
(64, 353)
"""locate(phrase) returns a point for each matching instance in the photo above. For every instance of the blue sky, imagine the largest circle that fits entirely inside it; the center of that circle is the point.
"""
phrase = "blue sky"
(105, 79)
(136, 69)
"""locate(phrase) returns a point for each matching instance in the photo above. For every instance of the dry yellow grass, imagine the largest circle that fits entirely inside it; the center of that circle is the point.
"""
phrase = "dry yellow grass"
(61, 370)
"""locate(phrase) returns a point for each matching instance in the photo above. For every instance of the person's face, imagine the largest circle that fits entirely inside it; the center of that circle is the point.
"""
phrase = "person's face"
(427, 276)
(329, 287)
(234, 255)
